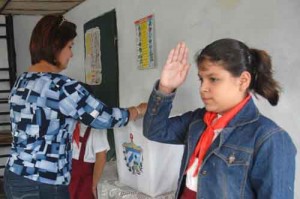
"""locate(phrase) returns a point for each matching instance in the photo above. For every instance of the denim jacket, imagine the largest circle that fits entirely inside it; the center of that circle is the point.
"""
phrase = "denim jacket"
(251, 158)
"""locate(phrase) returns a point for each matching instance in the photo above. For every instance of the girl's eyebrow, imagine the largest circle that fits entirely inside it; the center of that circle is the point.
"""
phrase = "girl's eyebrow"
(208, 75)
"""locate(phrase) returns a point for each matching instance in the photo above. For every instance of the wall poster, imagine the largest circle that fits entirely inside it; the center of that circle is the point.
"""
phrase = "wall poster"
(93, 67)
(145, 42)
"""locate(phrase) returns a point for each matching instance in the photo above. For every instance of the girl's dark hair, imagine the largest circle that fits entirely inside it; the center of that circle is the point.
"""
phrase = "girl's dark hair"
(236, 57)
(50, 35)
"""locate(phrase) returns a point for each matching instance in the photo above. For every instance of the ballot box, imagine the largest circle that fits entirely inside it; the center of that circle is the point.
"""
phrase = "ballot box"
(147, 166)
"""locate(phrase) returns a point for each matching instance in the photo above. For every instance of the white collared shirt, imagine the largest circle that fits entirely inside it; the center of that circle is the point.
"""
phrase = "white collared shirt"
(191, 181)
(97, 142)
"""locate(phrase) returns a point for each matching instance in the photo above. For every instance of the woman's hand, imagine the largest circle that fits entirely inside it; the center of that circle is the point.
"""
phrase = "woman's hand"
(175, 70)
(137, 111)
(141, 109)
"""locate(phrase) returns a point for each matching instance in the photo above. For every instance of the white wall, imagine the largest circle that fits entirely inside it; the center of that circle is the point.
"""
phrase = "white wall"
(23, 26)
(270, 25)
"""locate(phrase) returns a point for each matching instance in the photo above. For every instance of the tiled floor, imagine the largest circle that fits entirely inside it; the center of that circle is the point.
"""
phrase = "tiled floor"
(109, 186)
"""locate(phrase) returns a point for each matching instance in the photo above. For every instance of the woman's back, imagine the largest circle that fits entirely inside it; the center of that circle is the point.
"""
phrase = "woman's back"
(43, 111)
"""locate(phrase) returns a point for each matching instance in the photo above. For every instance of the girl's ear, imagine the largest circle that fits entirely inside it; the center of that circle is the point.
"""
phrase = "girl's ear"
(245, 80)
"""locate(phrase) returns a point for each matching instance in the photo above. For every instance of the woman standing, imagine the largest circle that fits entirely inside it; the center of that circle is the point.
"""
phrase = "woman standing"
(44, 107)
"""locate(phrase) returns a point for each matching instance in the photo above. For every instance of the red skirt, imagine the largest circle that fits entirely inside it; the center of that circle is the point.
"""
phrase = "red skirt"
(81, 180)
(188, 194)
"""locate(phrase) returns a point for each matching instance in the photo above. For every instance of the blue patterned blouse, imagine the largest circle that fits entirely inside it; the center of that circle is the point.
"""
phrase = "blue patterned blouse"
(43, 111)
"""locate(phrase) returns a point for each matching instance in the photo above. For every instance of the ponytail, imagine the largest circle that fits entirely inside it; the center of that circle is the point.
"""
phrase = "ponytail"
(262, 76)
(236, 57)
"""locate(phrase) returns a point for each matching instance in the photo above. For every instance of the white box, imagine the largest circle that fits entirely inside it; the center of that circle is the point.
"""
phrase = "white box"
(149, 167)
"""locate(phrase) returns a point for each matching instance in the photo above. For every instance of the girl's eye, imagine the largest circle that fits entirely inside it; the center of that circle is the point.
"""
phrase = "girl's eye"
(201, 79)
(213, 79)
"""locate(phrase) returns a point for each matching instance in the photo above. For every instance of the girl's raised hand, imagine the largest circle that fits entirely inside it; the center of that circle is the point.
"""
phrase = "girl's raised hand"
(175, 70)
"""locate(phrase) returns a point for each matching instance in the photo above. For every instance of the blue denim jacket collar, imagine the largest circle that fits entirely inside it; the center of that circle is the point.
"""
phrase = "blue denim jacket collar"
(247, 115)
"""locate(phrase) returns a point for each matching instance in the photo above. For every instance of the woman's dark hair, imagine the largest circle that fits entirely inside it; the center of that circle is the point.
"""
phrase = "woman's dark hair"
(236, 58)
(50, 35)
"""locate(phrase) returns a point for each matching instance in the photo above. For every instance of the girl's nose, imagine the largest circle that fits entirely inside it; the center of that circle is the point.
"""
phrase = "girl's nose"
(204, 88)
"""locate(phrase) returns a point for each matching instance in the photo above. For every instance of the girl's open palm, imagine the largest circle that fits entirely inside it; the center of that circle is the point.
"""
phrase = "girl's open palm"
(175, 70)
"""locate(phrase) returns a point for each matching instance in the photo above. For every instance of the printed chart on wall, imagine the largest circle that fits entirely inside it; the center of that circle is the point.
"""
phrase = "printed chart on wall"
(145, 42)
(93, 66)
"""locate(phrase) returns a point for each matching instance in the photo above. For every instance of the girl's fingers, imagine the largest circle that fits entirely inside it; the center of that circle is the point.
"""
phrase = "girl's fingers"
(176, 52)
(170, 57)
(181, 52)
(186, 68)
(185, 56)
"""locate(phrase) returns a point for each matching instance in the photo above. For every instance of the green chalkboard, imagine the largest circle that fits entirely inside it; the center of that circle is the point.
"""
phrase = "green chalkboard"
(108, 90)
